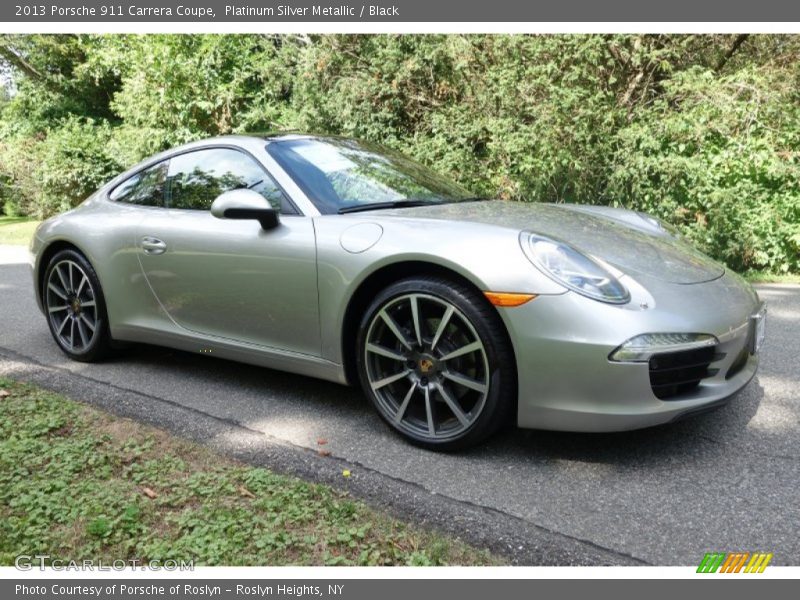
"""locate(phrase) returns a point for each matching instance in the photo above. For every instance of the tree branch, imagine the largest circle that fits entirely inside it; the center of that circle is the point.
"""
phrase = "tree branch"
(19, 62)
(737, 42)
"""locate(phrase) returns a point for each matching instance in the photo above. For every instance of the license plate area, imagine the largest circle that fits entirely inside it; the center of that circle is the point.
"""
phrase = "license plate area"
(758, 330)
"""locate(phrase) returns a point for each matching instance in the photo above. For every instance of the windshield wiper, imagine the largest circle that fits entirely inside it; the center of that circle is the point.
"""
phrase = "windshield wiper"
(393, 204)
(408, 203)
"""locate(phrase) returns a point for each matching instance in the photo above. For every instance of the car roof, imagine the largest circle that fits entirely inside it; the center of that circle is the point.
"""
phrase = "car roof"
(247, 141)
(248, 138)
(277, 136)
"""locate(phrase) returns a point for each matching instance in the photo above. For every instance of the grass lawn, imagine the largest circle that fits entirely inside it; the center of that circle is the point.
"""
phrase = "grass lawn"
(78, 483)
(16, 230)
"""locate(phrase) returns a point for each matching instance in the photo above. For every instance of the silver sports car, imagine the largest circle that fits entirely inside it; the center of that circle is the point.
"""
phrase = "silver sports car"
(341, 260)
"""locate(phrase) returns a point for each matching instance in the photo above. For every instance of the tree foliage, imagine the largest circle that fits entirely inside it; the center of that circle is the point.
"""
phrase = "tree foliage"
(702, 131)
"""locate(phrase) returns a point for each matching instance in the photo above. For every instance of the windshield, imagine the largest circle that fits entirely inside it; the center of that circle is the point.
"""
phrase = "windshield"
(340, 175)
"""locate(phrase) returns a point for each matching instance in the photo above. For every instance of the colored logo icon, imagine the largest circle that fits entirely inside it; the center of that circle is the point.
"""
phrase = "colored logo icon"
(734, 562)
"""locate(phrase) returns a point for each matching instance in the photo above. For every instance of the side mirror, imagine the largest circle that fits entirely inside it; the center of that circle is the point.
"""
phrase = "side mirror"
(245, 204)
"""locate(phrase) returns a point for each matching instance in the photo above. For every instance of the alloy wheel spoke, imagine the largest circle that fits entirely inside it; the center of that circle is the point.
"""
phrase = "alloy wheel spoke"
(394, 328)
(465, 381)
(71, 276)
(82, 333)
(64, 285)
(72, 333)
(453, 406)
(87, 322)
(442, 326)
(381, 351)
(66, 320)
(415, 319)
(84, 279)
(89, 304)
(404, 405)
(376, 385)
(474, 346)
(55, 309)
(429, 413)
(57, 291)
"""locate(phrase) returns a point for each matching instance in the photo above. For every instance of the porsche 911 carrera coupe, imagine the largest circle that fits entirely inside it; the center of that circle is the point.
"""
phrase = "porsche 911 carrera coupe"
(341, 260)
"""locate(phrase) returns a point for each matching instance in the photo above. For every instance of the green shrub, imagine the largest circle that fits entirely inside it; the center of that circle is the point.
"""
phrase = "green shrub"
(57, 169)
(714, 156)
(701, 131)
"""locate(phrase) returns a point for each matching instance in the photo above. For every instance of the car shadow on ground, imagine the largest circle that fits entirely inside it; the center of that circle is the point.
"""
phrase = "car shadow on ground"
(271, 382)
(701, 433)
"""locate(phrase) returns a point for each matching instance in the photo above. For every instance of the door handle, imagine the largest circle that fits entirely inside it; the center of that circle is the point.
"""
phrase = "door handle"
(152, 245)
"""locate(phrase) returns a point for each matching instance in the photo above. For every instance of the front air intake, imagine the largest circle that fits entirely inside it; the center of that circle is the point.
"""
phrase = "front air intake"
(674, 374)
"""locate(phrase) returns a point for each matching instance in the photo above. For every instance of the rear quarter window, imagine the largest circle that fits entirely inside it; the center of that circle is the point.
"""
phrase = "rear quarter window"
(145, 188)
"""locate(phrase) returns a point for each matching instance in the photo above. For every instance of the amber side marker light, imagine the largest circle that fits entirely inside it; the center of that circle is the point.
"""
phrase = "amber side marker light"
(508, 299)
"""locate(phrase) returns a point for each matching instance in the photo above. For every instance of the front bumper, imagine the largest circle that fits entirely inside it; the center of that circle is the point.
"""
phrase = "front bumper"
(567, 382)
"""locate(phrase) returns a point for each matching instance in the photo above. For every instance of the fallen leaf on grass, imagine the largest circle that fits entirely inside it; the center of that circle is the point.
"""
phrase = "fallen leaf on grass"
(149, 493)
(245, 492)
(4, 393)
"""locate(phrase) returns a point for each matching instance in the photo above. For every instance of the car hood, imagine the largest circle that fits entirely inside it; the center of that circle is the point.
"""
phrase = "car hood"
(613, 236)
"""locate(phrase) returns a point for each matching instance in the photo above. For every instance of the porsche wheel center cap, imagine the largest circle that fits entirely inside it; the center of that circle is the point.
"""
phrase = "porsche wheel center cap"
(426, 365)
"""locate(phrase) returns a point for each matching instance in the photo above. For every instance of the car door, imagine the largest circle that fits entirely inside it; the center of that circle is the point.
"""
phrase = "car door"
(229, 278)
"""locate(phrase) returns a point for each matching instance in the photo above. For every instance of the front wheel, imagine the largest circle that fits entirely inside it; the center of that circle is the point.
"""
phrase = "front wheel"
(434, 358)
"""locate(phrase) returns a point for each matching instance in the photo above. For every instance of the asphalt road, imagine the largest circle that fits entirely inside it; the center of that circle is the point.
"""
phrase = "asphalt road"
(724, 481)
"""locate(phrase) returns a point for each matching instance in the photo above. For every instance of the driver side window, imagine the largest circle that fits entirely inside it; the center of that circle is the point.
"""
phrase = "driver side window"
(195, 179)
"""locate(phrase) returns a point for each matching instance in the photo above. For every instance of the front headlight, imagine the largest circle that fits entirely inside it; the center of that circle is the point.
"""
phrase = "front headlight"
(574, 270)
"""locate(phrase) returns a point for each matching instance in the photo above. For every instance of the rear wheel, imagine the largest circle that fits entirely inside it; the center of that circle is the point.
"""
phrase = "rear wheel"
(434, 359)
(75, 307)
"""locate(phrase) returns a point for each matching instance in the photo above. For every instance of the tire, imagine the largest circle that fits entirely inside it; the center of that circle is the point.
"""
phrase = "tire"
(434, 358)
(75, 307)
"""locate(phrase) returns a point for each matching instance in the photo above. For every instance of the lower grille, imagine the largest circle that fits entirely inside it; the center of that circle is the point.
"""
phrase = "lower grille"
(738, 364)
(676, 373)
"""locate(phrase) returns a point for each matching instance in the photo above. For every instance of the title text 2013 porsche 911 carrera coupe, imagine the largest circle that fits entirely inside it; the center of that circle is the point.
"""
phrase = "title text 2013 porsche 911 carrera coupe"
(341, 260)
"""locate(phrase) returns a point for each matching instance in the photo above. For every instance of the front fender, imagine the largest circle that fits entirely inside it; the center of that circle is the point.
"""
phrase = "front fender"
(489, 257)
